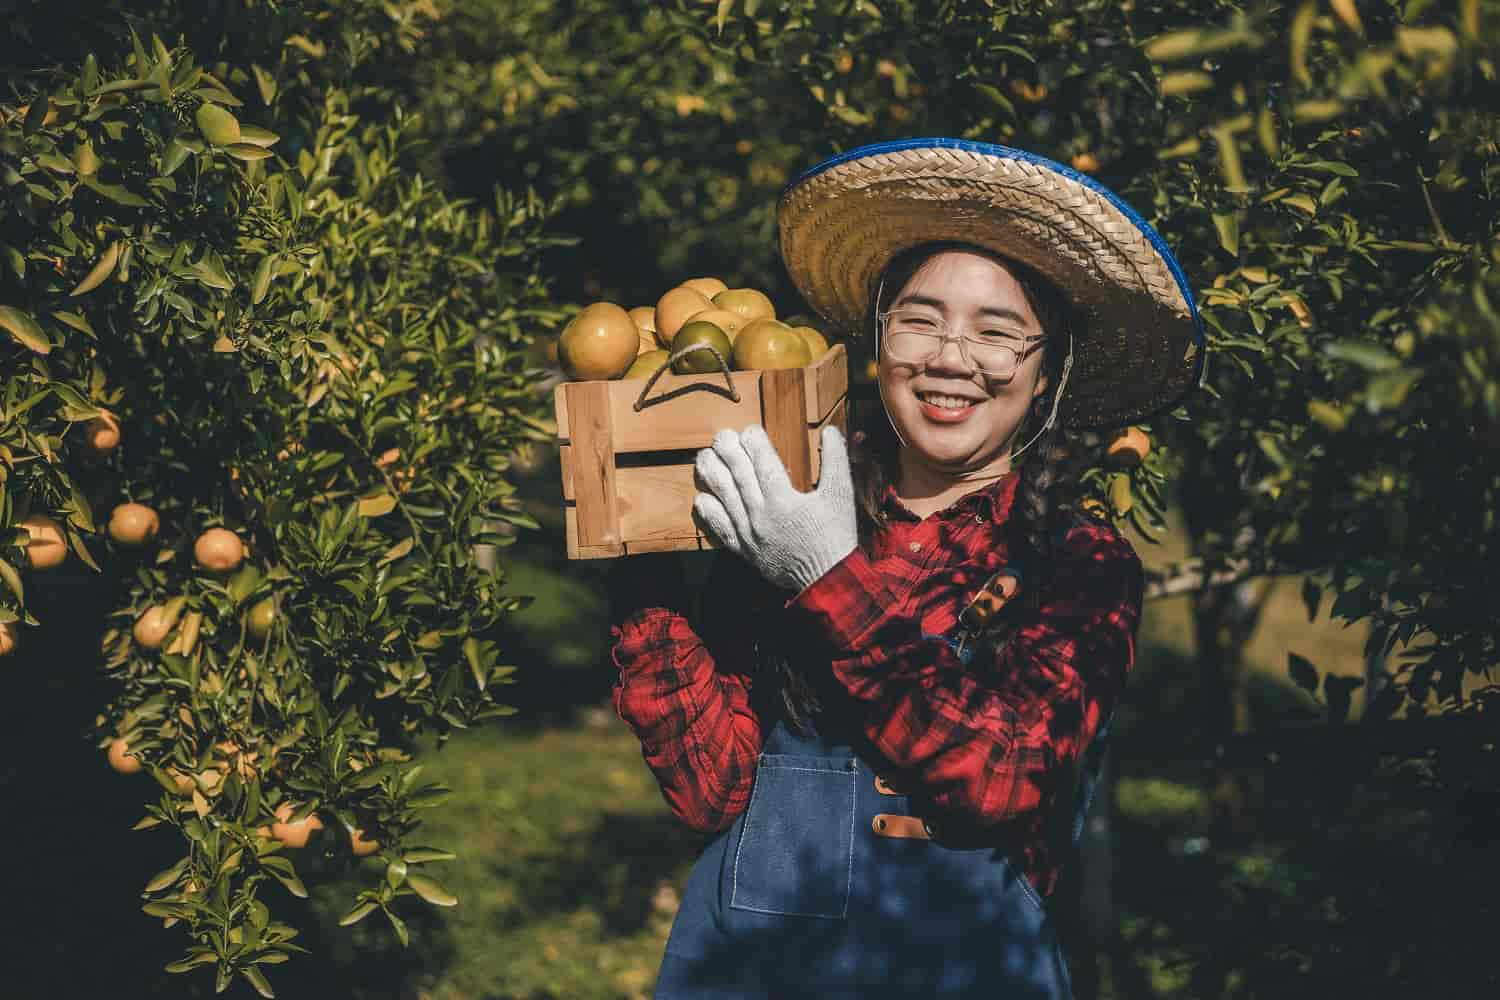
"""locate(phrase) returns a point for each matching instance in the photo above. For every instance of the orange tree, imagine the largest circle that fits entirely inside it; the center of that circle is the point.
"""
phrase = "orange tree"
(267, 379)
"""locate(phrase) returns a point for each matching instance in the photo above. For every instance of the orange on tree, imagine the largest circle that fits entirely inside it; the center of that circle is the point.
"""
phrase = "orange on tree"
(675, 308)
(646, 364)
(708, 286)
(730, 322)
(102, 434)
(46, 549)
(133, 524)
(260, 618)
(767, 344)
(120, 757)
(361, 843)
(707, 338)
(750, 303)
(218, 550)
(600, 343)
(151, 628)
(294, 833)
(9, 636)
(1129, 448)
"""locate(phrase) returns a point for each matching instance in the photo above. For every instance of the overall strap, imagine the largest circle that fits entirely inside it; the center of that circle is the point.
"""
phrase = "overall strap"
(1088, 778)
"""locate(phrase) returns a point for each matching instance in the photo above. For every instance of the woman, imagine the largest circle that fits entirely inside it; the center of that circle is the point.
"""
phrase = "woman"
(897, 670)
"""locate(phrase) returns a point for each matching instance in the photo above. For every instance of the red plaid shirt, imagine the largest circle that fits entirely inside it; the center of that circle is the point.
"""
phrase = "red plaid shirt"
(988, 742)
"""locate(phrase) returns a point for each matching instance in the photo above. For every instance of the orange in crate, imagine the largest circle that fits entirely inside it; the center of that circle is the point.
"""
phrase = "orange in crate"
(627, 455)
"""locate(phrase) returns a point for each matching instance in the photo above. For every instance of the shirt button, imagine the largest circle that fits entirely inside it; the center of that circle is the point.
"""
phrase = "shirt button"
(915, 546)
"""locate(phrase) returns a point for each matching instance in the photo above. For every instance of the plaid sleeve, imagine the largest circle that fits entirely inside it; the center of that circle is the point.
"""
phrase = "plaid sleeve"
(690, 708)
(986, 740)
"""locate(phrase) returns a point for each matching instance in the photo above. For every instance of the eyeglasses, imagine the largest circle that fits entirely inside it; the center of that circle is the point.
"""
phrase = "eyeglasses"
(915, 337)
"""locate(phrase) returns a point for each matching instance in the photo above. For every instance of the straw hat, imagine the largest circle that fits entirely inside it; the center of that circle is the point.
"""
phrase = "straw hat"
(1138, 339)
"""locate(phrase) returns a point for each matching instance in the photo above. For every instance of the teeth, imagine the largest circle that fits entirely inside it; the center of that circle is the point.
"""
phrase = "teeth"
(946, 402)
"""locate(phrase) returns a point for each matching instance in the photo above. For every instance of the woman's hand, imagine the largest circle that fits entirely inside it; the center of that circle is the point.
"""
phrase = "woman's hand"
(792, 538)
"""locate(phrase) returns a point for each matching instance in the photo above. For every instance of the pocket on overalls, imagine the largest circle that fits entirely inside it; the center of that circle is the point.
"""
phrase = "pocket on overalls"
(796, 851)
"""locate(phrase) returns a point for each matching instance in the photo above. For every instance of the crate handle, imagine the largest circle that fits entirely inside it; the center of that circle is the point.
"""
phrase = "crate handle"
(734, 394)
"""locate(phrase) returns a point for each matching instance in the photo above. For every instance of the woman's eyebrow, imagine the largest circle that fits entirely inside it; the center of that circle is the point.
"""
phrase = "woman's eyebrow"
(996, 311)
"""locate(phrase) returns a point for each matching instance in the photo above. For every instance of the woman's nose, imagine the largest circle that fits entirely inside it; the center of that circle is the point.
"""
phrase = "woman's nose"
(950, 358)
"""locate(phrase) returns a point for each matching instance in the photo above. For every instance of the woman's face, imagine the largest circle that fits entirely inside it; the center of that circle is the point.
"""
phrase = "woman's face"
(965, 292)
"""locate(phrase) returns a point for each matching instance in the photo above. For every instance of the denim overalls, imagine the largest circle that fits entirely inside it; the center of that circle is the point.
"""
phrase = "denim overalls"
(802, 897)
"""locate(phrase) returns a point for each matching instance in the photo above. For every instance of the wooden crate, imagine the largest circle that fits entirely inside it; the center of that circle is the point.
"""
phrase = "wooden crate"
(627, 474)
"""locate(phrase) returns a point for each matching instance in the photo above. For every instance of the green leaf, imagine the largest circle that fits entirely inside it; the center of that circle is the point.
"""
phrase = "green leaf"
(265, 83)
(167, 876)
(21, 326)
(422, 855)
(431, 890)
(1390, 389)
(428, 796)
(360, 911)
(12, 580)
(264, 272)
(995, 97)
(722, 14)
(102, 269)
(76, 320)
(175, 156)
(254, 135)
(36, 113)
(217, 125)
(1227, 224)
(258, 980)
(247, 151)
(1367, 356)
(400, 927)
(1303, 673)
(114, 192)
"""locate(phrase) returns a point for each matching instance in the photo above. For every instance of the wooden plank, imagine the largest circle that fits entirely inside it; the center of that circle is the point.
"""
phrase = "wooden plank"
(592, 447)
(656, 501)
(838, 416)
(783, 403)
(576, 551)
(682, 411)
(668, 545)
(560, 409)
(565, 461)
(828, 382)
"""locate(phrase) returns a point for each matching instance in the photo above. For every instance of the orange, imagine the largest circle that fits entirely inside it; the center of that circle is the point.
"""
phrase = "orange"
(361, 843)
(708, 286)
(152, 627)
(644, 318)
(675, 308)
(121, 759)
(1085, 162)
(646, 364)
(730, 322)
(218, 550)
(9, 636)
(102, 434)
(133, 524)
(260, 618)
(1129, 448)
(294, 833)
(703, 335)
(46, 548)
(748, 302)
(767, 344)
(600, 343)
(817, 344)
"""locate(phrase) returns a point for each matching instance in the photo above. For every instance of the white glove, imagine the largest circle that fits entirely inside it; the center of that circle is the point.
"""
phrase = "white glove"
(792, 538)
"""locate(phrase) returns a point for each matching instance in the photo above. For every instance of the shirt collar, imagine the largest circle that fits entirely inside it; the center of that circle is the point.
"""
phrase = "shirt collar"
(992, 502)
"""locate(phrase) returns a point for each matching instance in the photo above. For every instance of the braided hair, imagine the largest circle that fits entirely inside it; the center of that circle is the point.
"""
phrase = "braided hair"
(874, 448)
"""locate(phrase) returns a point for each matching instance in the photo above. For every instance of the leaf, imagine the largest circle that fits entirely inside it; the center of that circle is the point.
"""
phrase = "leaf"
(258, 980)
(400, 927)
(1303, 202)
(12, 580)
(1367, 356)
(167, 876)
(360, 911)
(265, 83)
(21, 326)
(175, 156)
(422, 855)
(396, 551)
(1228, 226)
(1303, 673)
(114, 192)
(247, 151)
(997, 98)
(257, 136)
(722, 14)
(1184, 82)
(217, 125)
(1389, 389)
(428, 796)
(1301, 34)
(76, 320)
(102, 269)
(264, 272)
(431, 890)
(377, 506)
(36, 114)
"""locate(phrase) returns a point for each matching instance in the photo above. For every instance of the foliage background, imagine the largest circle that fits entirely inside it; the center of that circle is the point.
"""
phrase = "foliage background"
(1327, 172)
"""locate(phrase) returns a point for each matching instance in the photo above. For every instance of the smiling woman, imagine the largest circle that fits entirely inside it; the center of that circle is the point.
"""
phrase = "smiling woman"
(925, 643)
